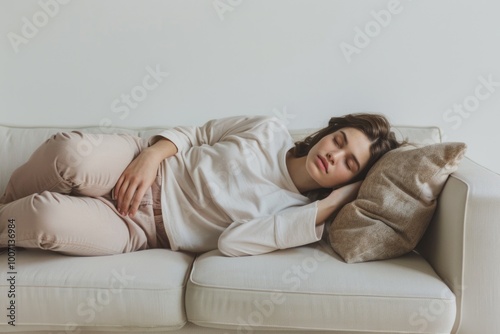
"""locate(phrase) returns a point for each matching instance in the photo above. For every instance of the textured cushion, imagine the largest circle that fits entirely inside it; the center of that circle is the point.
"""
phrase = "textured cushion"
(310, 288)
(141, 291)
(395, 203)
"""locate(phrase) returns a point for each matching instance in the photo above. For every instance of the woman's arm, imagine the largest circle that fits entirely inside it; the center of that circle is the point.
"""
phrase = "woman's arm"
(217, 130)
(140, 175)
(336, 200)
(290, 228)
(141, 172)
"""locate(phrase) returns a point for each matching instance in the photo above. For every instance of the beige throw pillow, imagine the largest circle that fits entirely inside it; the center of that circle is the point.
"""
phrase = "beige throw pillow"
(395, 203)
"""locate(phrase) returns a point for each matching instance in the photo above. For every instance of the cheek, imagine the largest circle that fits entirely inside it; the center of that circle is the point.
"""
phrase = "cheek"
(343, 175)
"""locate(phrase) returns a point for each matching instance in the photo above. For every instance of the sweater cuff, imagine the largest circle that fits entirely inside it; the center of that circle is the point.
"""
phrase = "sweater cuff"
(298, 227)
(170, 135)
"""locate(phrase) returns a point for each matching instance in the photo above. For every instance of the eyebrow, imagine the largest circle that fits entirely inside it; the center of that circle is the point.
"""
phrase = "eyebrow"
(353, 156)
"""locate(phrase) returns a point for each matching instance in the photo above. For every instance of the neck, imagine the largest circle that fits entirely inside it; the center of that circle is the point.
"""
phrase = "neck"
(299, 174)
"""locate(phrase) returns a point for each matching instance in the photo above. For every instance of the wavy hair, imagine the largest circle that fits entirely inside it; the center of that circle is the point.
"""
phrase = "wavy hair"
(375, 126)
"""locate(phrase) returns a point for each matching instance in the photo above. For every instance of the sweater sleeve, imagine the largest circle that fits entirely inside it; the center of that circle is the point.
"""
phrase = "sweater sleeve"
(290, 228)
(212, 131)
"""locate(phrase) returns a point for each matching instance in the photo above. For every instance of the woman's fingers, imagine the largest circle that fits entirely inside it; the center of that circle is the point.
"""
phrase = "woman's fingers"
(128, 195)
(135, 181)
(132, 198)
(121, 203)
(136, 200)
(117, 189)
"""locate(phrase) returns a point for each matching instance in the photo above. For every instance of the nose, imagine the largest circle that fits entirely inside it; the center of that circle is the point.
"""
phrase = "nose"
(334, 157)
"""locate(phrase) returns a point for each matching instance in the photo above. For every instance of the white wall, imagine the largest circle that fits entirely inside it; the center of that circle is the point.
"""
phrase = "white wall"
(229, 57)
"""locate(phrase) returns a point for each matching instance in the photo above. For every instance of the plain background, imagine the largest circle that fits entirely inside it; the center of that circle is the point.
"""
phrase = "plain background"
(75, 63)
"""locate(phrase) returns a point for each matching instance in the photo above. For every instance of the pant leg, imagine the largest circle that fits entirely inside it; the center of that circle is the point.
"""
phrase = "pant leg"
(75, 225)
(74, 163)
(80, 165)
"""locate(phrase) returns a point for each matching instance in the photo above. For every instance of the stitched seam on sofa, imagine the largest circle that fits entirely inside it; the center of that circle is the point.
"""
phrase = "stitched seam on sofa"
(96, 328)
(201, 286)
(305, 293)
(205, 286)
(306, 328)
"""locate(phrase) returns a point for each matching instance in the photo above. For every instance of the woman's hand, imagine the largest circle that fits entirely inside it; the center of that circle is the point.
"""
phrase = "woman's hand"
(140, 175)
(336, 200)
(345, 194)
(135, 181)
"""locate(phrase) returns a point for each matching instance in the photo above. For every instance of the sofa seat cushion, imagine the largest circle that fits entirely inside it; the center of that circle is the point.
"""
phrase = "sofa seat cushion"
(139, 291)
(309, 288)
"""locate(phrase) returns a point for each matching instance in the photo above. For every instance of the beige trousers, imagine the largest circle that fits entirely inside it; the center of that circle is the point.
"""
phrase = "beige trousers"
(60, 199)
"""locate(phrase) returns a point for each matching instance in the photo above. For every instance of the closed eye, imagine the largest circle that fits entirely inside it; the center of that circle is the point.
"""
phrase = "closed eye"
(351, 165)
(336, 141)
(354, 159)
(347, 165)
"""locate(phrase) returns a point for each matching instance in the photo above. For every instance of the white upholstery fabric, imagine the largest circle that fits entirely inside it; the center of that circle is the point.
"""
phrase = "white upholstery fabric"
(309, 287)
(462, 244)
(138, 291)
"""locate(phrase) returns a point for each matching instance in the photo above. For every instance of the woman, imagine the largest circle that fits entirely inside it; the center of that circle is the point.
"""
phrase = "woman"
(239, 184)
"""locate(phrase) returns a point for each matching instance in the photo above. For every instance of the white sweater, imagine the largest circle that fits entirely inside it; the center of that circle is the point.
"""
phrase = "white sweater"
(228, 187)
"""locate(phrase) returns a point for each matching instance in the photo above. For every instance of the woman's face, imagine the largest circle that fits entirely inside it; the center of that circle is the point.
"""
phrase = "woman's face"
(338, 157)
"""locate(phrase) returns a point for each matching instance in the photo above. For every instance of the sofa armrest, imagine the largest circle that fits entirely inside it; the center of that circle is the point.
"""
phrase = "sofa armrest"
(461, 244)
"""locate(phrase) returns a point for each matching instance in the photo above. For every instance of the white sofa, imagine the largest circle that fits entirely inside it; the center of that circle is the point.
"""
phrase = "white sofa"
(452, 285)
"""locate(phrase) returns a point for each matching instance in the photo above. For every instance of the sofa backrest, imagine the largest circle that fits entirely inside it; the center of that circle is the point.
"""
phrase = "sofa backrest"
(17, 143)
(421, 135)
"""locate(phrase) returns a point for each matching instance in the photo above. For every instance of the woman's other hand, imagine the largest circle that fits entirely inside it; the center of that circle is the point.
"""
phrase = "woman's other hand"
(343, 195)
(336, 200)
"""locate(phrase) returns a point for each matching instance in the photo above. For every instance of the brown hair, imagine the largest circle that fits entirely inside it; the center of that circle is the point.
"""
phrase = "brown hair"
(375, 126)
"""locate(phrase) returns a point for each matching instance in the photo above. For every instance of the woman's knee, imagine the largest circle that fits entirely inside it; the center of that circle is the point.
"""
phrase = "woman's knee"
(72, 149)
(36, 218)
(43, 213)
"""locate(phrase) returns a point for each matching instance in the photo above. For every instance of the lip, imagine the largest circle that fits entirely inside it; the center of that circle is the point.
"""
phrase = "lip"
(322, 163)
